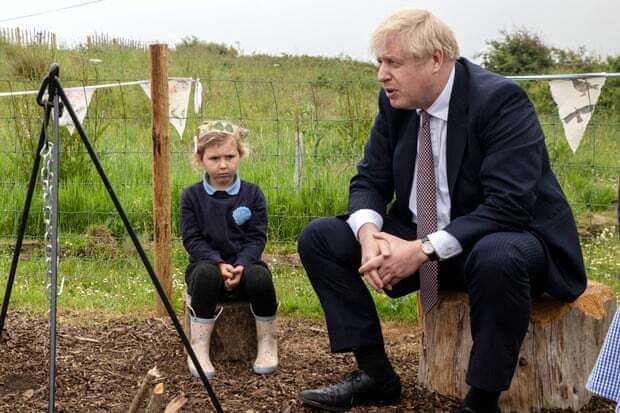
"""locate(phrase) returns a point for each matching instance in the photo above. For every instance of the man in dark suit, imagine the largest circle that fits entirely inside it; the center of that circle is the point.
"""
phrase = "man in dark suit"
(458, 156)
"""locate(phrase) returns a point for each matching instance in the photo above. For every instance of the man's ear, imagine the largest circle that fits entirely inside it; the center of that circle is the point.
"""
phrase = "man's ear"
(438, 57)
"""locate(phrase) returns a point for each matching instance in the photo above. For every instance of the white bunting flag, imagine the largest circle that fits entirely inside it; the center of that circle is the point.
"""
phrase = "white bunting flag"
(178, 100)
(576, 99)
(80, 99)
(198, 96)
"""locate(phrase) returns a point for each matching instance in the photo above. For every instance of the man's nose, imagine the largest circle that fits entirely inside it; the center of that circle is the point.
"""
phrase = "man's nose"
(382, 73)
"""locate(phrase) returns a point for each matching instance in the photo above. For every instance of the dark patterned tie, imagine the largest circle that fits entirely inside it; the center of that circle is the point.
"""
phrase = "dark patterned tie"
(426, 202)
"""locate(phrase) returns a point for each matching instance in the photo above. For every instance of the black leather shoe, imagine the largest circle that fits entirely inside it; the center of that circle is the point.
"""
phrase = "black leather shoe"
(357, 388)
(465, 409)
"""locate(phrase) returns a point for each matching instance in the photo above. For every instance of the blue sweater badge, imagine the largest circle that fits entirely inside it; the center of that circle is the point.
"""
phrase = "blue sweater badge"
(241, 215)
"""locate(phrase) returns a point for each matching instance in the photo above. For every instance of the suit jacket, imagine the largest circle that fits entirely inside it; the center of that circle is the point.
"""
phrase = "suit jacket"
(499, 176)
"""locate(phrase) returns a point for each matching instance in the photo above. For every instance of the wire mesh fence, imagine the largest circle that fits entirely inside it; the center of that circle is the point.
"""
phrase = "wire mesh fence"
(305, 140)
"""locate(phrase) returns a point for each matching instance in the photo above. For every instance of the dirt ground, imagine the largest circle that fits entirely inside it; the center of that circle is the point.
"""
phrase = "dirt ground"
(100, 364)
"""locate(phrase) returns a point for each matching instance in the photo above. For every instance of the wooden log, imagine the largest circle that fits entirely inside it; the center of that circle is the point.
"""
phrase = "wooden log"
(162, 226)
(234, 335)
(152, 376)
(557, 355)
(154, 404)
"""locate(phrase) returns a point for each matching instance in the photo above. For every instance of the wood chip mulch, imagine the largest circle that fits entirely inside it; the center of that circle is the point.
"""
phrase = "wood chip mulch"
(101, 363)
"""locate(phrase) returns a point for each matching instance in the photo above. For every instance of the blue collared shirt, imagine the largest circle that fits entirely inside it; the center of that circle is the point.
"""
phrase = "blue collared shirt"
(231, 190)
(605, 377)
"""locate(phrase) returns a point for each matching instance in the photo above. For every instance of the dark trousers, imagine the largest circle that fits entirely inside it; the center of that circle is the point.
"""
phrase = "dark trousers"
(500, 273)
(206, 286)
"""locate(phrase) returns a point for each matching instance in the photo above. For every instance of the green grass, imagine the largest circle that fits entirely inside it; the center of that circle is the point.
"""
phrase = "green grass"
(96, 281)
(111, 280)
(602, 256)
(331, 102)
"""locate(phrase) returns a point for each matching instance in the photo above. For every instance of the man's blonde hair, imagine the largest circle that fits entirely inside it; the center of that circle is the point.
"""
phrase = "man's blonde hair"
(420, 33)
(217, 132)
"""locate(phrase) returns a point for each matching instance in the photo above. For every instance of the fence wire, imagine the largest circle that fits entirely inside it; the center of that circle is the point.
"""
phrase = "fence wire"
(305, 140)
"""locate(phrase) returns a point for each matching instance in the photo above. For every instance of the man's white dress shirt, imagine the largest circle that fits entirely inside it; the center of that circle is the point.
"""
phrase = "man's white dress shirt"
(446, 246)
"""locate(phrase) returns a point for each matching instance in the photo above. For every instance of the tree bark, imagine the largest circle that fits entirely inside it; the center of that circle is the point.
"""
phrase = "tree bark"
(557, 355)
(234, 335)
(162, 228)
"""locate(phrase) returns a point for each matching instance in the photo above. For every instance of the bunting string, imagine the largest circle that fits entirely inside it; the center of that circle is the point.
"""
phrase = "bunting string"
(179, 90)
(575, 96)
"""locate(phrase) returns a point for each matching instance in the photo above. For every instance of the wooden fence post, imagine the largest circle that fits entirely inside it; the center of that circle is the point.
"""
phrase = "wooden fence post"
(161, 170)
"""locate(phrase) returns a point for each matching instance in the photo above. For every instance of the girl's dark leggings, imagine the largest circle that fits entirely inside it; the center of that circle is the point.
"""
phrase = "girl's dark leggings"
(206, 287)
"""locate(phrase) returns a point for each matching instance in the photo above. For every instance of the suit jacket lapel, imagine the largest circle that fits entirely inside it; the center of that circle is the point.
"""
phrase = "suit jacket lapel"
(408, 151)
(457, 125)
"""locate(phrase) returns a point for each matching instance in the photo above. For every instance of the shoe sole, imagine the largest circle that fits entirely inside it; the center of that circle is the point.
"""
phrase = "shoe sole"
(316, 404)
(264, 370)
(321, 406)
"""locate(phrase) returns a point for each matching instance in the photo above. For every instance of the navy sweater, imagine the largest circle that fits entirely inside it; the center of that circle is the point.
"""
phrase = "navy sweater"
(222, 227)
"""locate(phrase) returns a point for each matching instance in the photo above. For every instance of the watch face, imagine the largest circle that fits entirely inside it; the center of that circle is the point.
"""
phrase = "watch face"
(427, 248)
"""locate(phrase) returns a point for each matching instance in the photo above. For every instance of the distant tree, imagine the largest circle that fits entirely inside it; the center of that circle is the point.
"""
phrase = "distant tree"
(577, 61)
(609, 102)
(517, 53)
(194, 44)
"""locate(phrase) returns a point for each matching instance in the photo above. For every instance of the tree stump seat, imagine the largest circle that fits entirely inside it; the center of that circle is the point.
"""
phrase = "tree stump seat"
(558, 353)
(234, 335)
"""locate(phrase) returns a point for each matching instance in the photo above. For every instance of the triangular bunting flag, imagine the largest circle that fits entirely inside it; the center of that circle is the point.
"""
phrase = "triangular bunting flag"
(178, 94)
(80, 99)
(146, 86)
(576, 99)
(178, 99)
(198, 96)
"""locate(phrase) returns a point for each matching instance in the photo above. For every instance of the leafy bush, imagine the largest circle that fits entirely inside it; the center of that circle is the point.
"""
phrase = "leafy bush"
(31, 63)
(518, 53)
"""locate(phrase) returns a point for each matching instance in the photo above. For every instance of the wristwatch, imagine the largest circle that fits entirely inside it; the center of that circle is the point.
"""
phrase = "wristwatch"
(428, 249)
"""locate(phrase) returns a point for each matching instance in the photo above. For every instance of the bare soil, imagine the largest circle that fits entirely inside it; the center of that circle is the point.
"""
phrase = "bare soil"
(101, 363)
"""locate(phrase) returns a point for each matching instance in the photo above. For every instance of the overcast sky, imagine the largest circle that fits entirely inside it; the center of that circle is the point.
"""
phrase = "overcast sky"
(319, 27)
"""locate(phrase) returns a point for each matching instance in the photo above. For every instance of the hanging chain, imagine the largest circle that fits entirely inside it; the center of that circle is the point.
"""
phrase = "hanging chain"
(47, 179)
(47, 176)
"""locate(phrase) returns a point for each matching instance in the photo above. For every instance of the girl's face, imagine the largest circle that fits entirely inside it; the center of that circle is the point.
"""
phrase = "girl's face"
(221, 163)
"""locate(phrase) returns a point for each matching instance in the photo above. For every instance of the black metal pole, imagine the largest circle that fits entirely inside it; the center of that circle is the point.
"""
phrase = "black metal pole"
(53, 291)
(138, 246)
(23, 221)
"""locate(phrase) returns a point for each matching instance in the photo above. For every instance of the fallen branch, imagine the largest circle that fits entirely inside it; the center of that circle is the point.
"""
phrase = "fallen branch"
(156, 397)
(317, 330)
(153, 376)
(79, 338)
(175, 404)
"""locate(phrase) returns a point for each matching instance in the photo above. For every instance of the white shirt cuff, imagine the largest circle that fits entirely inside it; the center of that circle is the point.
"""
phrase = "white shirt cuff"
(364, 216)
(446, 246)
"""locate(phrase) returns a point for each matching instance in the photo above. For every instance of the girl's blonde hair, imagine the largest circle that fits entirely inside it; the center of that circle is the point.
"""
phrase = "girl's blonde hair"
(215, 133)
(419, 32)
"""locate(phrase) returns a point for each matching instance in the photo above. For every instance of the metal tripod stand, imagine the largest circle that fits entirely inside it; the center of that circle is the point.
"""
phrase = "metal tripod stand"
(48, 150)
